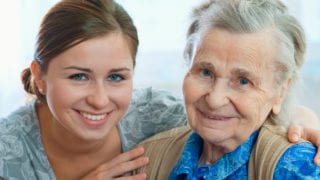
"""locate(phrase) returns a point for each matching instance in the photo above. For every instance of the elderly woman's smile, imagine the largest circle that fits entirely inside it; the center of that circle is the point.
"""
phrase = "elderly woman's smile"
(230, 88)
(216, 116)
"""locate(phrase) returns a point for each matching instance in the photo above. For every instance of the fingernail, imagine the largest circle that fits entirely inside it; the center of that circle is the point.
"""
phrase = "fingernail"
(295, 137)
(144, 176)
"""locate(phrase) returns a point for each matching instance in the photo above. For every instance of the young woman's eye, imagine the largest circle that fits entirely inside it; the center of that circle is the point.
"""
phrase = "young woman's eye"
(78, 77)
(115, 77)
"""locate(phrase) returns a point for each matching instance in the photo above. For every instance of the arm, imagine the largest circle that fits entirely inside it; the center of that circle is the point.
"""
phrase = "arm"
(305, 117)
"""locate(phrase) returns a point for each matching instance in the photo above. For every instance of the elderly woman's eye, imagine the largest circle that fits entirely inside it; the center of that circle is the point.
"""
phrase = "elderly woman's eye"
(206, 73)
(243, 81)
(78, 77)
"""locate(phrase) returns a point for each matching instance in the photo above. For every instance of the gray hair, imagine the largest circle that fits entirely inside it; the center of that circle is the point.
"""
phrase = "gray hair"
(250, 16)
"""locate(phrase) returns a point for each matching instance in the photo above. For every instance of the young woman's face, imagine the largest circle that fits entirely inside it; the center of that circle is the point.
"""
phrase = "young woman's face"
(88, 87)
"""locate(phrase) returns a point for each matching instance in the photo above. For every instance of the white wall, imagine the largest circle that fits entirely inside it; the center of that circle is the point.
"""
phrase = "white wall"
(161, 26)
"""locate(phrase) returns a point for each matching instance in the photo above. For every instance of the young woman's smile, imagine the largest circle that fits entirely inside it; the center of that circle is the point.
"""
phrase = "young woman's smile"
(95, 120)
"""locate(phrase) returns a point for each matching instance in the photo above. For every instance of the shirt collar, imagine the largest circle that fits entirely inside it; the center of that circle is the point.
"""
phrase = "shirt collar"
(187, 166)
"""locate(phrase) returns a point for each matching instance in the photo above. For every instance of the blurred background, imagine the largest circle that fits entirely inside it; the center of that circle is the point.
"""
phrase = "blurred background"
(162, 26)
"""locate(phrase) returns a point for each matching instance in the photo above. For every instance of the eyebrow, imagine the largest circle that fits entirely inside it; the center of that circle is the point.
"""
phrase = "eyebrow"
(241, 72)
(205, 65)
(88, 70)
(77, 68)
(120, 69)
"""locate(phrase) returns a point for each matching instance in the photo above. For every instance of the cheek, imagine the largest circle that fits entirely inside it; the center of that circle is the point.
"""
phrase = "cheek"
(255, 108)
(191, 92)
(62, 91)
(61, 97)
(192, 95)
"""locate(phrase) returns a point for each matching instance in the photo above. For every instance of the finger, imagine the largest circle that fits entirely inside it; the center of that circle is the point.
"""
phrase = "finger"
(135, 177)
(119, 170)
(294, 133)
(317, 157)
(123, 157)
(313, 136)
(129, 166)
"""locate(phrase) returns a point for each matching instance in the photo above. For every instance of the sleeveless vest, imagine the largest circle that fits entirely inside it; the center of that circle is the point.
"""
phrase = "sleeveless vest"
(164, 150)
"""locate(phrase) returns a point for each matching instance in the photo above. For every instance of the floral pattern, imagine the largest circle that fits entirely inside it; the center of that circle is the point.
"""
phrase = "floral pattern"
(19, 139)
(151, 111)
(22, 155)
(295, 163)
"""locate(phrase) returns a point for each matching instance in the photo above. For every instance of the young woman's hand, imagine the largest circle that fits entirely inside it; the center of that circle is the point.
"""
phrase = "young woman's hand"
(297, 132)
(305, 126)
(120, 165)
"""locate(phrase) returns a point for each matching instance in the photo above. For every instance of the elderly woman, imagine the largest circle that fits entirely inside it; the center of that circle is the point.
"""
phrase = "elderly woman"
(245, 56)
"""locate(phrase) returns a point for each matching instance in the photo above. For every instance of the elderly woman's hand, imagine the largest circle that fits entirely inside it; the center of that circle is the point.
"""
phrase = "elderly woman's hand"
(119, 166)
(306, 125)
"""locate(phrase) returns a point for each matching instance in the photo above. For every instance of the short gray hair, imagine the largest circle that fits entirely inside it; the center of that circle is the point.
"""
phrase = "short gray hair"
(249, 16)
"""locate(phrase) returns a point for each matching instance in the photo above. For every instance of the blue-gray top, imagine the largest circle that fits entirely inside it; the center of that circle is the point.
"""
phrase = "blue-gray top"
(22, 154)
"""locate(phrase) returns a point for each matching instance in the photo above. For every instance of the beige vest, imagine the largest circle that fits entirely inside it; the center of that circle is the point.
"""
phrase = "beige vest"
(164, 150)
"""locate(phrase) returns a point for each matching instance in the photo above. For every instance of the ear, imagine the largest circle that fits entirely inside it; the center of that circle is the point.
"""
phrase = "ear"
(38, 76)
(281, 96)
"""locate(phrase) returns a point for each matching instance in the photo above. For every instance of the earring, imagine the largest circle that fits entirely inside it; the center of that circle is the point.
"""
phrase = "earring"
(40, 90)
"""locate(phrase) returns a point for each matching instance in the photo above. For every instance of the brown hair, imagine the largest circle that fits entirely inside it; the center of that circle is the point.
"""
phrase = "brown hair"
(71, 22)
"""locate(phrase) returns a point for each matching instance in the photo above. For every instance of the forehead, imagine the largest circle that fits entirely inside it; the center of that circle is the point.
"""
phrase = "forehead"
(247, 49)
(105, 48)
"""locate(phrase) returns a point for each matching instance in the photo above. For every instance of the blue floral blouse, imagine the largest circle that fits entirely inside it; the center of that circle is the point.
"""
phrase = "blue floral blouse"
(295, 163)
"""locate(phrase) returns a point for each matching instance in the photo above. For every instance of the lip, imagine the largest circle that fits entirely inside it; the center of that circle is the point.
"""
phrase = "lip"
(94, 120)
(94, 117)
(214, 116)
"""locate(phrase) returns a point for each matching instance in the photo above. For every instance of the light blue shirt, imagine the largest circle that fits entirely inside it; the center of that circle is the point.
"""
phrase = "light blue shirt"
(22, 155)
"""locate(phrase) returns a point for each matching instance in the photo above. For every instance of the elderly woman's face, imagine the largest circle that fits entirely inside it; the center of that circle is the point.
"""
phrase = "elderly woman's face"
(230, 88)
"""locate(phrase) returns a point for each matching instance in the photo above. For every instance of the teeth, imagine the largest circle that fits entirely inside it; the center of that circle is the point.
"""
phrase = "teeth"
(94, 117)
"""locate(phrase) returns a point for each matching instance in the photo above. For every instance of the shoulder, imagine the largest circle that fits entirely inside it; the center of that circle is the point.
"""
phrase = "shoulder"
(151, 111)
(164, 150)
(156, 97)
(285, 160)
(172, 135)
(297, 162)
(20, 121)
(148, 102)
(16, 131)
(22, 155)
(270, 134)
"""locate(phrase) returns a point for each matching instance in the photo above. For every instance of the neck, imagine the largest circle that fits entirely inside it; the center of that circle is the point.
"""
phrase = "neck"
(210, 154)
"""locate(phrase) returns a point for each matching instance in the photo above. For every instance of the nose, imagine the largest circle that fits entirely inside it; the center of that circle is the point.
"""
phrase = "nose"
(218, 94)
(98, 96)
